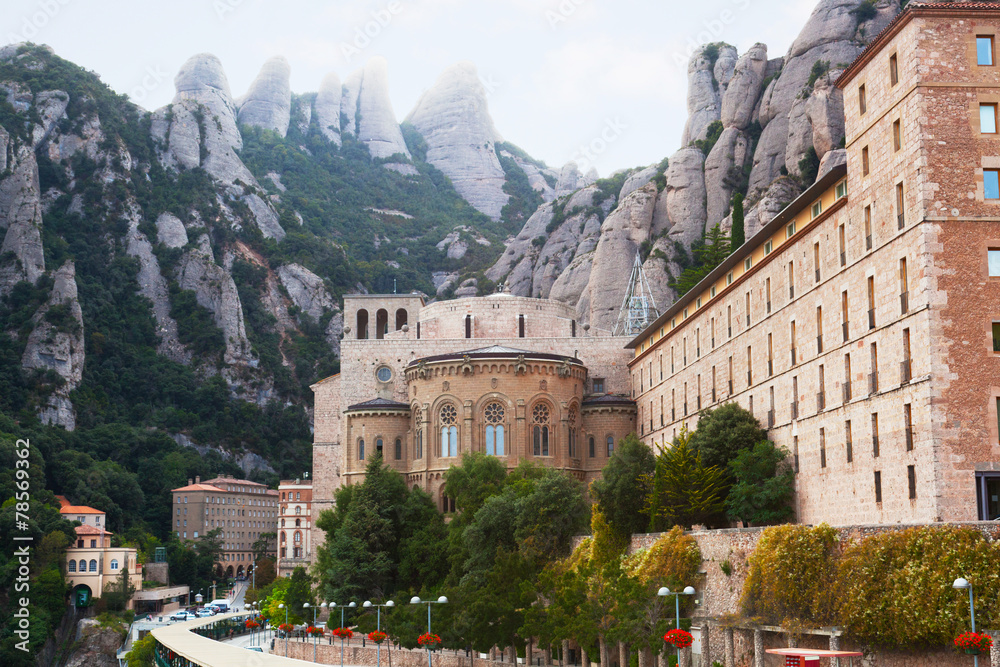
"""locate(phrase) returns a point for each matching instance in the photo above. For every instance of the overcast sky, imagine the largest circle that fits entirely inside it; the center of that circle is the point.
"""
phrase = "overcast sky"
(561, 74)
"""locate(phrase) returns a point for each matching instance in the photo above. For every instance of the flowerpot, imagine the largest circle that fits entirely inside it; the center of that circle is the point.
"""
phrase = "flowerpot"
(973, 651)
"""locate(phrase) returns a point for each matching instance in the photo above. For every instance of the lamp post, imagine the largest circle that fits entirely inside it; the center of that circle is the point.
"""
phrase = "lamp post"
(282, 606)
(378, 625)
(307, 605)
(326, 624)
(961, 583)
(334, 605)
(688, 590)
(416, 600)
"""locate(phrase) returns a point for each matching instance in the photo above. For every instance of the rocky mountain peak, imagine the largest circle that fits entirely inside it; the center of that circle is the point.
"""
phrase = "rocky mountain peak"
(268, 102)
(369, 110)
(454, 119)
(327, 107)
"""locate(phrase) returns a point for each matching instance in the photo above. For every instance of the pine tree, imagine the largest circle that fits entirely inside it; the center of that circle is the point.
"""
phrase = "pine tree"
(738, 234)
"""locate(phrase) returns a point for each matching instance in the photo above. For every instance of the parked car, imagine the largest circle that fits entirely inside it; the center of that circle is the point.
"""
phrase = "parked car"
(183, 616)
(204, 613)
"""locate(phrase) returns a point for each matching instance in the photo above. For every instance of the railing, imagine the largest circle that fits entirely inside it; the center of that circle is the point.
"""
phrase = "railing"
(904, 303)
(871, 318)
(820, 401)
(905, 371)
(872, 383)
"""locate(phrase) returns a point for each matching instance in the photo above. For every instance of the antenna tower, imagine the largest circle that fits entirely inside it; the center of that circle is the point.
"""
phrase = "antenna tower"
(638, 308)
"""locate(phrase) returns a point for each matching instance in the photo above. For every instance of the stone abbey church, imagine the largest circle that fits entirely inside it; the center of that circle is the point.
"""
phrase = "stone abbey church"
(861, 325)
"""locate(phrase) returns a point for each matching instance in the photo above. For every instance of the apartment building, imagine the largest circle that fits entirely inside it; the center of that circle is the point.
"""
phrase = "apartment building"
(861, 325)
(294, 525)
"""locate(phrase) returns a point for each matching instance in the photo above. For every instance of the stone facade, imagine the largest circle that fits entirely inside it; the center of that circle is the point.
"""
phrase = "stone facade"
(514, 377)
(857, 326)
(241, 509)
(294, 525)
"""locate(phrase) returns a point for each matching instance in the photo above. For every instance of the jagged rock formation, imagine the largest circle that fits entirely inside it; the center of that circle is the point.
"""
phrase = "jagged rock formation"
(21, 254)
(454, 119)
(709, 71)
(96, 645)
(326, 107)
(369, 111)
(268, 102)
(170, 231)
(306, 290)
(56, 344)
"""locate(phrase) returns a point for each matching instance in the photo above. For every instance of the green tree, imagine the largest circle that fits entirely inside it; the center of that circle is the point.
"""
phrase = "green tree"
(143, 652)
(684, 491)
(620, 492)
(708, 254)
(737, 235)
(723, 432)
(764, 485)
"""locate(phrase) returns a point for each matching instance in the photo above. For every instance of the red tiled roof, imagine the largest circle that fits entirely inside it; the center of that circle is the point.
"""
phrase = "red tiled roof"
(78, 509)
(200, 487)
(91, 530)
(230, 480)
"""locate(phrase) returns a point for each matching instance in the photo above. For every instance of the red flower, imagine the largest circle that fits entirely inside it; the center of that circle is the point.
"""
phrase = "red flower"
(314, 631)
(252, 624)
(428, 640)
(343, 633)
(286, 627)
(377, 636)
(678, 638)
(973, 641)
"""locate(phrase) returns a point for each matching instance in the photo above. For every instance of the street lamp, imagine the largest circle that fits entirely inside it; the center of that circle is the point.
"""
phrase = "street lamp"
(960, 583)
(378, 625)
(306, 605)
(441, 600)
(334, 605)
(282, 606)
(688, 590)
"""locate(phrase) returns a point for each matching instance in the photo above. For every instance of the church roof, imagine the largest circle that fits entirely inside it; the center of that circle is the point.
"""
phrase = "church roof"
(377, 403)
(497, 349)
(608, 399)
(494, 351)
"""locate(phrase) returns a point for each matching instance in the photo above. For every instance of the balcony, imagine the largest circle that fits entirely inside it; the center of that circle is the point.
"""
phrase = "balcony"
(819, 344)
(845, 390)
(904, 303)
(905, 371)
(871, 318)
(872, 383)
(770, 418)
(846, 330)
(794, 408)
(820, 401)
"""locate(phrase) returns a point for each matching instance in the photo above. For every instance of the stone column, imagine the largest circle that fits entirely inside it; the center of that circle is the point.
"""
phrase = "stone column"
(834, 646)
(730, 648)
(793, 641)
(584, 659)
(758, 647)
(563, 661)
(602, 650)
(995, 650)
(706, 645)
(684, 659)
(645, 657)
(623, 654)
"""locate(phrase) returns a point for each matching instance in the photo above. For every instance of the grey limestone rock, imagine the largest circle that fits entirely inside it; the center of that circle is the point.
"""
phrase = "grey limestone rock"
(522, 245)
(59, 347)
(378, 128)
(636, 180)
(21, 214)
(831, 160)
(723, 168)
(215, 290)
(685, 193)
(265, 216)
(743, 91)
(170, 231)
(306, 290)
(4, 149)
(51, 107)
(453, 118)
(349, 102)
(703, 98)
(327, 107)
(778, 195)
(202, 80)
(268, 102)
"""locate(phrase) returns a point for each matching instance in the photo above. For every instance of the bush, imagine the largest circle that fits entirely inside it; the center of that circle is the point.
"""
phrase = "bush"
(865, 11)
(673, 560)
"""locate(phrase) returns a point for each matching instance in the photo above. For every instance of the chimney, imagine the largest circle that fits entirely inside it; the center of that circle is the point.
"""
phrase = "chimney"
(190, 482)
(197, 479)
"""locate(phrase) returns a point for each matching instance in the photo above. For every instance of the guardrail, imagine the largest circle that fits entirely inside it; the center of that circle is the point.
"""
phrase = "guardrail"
(189, 644)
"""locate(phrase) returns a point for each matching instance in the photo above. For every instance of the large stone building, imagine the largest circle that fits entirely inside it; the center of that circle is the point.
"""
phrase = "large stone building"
(513, 377)
(241, 509)
(862, 324)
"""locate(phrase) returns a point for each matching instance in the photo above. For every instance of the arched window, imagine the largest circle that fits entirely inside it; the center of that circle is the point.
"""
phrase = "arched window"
(592, 447)
(298, 537)
(381, 323)
(114, 564)
(362, 324)
(298, 523)
(282, 523)
(611, 445)
(282, 495)
(540, 429)
(399, 449)
(401, 318)
(282, 535)
(449, 431)
(298, 510)
(72, 565)
(418, 440)
(378, 446)
(571, 432)
(361, 449)
(298, 495)
(494, 417)
(93, 565)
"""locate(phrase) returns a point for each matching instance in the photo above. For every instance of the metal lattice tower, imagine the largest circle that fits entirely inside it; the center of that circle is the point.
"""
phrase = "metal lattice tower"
(638, 308)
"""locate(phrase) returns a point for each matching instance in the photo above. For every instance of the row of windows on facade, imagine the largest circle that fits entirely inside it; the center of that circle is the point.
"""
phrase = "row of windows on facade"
(382, 324)
(847, 386)
(876, 443)
(297, 552)
(696, 348)
(494, 416)
(72, 565)
(911, 470)
(215, 511)
(297, 537)
(83, 519)
(298, 495)
(221, 500)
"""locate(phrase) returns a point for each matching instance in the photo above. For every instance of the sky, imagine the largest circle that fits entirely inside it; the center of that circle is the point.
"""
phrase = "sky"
(601, 82)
